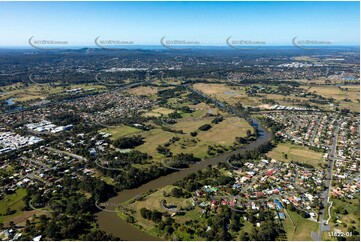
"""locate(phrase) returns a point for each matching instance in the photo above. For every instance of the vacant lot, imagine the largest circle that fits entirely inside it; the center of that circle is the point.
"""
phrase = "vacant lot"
(226, 93)
(120, 131)
(152, 139)
(287, 152)
(340, 94)
(159, 111)
(223, 133)
(13, 202)
(153, 201)
(352, 218)
(351, 92)
(301, 229)
(148, 91)
(22, 93)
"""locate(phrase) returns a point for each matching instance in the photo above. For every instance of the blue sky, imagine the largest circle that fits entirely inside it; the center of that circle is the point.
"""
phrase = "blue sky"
(210, 23)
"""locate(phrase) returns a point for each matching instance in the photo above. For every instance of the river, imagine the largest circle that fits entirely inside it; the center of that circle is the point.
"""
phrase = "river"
(111, 223)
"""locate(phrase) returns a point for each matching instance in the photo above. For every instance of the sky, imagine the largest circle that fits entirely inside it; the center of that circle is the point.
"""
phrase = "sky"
(209, 23)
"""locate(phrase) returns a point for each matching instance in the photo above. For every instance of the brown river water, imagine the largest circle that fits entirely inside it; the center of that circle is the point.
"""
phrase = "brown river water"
(111, 223)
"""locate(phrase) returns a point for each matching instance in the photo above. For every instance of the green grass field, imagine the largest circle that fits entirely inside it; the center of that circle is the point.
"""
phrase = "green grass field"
(13, 202)
(223, 133)
(352, 218)
(159, 111)
(296, 153)
(301, 230)
(23, 93)
(152, 201)
(349, 92)
(120, 131)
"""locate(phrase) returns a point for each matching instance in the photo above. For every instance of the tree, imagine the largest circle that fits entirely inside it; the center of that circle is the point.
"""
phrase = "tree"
(145, 213)
(11, 224)
(243, 236)
(176, 192)
(156, 216)
(168, 229)
(235, 226)
(194, 134)
(205, 127)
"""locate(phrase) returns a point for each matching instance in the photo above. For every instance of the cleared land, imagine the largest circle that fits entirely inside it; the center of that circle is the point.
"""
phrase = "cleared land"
(22, 93)
(226, 93)
(14, 202)
(159, 111)
(153, 201)
(223, 133)
(352, 218)
(120, 131)
(148, 91)
(352, 92)
(296, 153)
(301, 229)
(340, 94)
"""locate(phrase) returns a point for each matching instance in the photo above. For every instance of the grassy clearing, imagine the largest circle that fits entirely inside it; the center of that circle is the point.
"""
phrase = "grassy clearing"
(153, 202)
(305, 58)
(152, 139)
(296, 153)
(339, 94)
(352, 93)
(231, 95)
(147, 91)
(223, 133)
(13, 202)
(289, 228)
(120, 131)
(303, 228)
(352, 218)
(23, 93)
(159, 111)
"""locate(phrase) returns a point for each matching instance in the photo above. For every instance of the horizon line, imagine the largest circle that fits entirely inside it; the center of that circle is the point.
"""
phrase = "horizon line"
(180, 47)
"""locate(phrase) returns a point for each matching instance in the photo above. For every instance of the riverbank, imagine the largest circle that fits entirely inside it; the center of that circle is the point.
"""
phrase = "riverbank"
(111, 223)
